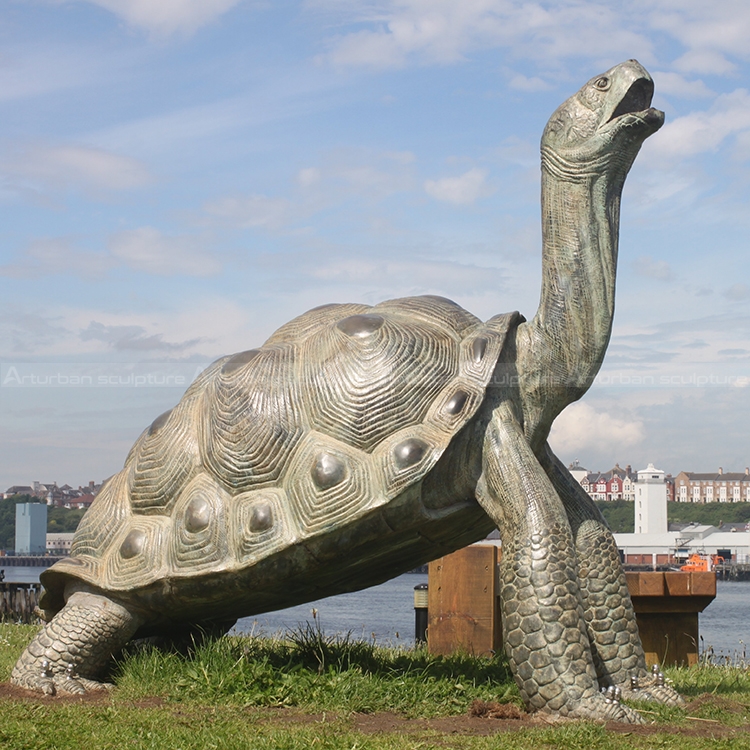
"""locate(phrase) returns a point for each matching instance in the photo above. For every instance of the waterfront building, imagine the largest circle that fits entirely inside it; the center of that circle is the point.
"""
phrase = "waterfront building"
(653, 544)
(650, 502)
(31, 528)
(729, 487)
(615, 484)
(59, 497)
(59, 543)
(18, 489)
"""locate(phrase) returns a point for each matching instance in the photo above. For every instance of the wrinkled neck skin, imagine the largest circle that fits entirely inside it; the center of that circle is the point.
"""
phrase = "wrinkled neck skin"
(560, 351)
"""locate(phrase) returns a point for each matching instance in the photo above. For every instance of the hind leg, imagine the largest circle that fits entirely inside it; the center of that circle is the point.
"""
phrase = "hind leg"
(608, 610)
(544, 632)
(87, 631)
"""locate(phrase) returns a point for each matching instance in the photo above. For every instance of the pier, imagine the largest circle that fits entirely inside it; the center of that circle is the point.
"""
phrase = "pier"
(18, 602)
(733, 572)
(25, 561)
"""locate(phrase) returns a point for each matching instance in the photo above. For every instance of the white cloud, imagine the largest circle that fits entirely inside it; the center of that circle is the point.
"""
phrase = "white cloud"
(521, 82)
(343, 175)
(674, 84)
(148, 250)
(581, 428)
(646, 266)
(167, 16)
(132, 338)
(461, 190)
(251, 211)
(66, 166)
(704, 61)
(738, 292)
(703, 131)
(711, 32)
(397, 32)
(421, 275)
(56, 255)
(208, 326)
(308, 177)
(30, 69)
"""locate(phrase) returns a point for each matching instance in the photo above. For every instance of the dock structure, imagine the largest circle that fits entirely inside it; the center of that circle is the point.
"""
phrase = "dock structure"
(26, 561)
(464, 607)
(18, 602)
(731, 571)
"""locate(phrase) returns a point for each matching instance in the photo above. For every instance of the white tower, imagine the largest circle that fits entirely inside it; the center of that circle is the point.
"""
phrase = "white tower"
(577, 471)
(651, 502)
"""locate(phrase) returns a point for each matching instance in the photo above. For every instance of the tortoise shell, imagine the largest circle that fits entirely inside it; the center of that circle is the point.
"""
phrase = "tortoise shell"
(338, 413)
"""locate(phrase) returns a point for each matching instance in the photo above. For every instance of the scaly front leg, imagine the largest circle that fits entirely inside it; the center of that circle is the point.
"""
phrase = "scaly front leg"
(72, 650)
(608, 610)
(544, 631)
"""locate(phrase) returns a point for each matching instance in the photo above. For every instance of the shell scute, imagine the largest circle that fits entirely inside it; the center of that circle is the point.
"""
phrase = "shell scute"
(198, 535)
(361, 388)
(250, 423)
(319, 499)
(260, 525)
(107, 513)
(430, 308)
(303, 325)
(137, 553)
(166, 460)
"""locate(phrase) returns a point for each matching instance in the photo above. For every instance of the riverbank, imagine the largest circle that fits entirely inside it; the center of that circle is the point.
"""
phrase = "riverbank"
(315, 692)
(385, 614)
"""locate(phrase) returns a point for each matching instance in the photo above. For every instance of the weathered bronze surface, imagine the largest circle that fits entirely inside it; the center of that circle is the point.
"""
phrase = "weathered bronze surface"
(359, 442)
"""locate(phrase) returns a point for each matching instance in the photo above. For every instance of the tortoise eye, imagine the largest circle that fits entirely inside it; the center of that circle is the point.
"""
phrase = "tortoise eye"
(602, 83)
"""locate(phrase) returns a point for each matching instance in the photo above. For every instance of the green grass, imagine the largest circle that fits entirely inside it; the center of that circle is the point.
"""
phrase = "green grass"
(307, 691)
(620, 513)
(317, 673)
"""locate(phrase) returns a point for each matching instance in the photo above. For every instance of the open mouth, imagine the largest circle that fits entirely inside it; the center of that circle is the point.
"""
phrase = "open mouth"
(637, 99)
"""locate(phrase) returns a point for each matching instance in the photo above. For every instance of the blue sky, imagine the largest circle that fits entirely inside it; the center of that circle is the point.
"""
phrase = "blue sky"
(180, 178)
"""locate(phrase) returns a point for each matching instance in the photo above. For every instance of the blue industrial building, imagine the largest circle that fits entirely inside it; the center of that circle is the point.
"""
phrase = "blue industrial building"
(31, 528)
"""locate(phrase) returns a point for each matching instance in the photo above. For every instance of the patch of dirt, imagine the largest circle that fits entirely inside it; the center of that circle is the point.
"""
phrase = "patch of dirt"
(388, 723)
(494, 710)
(12, 692)
(21, 695)
(483, 719)
(716, 701)
(492, 718)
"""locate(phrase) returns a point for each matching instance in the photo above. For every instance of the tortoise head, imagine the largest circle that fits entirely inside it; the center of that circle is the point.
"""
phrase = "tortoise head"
(603, 125)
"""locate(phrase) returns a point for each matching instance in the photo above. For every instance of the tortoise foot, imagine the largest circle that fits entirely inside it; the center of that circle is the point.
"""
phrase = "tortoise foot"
(66, 685)
(663, 694)
(34, 682)
(599, 708)
(47, 682)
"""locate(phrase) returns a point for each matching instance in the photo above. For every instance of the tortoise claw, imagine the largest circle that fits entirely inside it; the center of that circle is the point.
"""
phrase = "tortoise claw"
(600, 708)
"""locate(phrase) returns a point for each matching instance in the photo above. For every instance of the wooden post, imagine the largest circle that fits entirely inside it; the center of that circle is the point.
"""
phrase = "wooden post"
(666, 608)
(463, 606)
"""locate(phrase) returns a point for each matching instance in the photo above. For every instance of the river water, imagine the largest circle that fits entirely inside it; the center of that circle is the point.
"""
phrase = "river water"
(385, 613)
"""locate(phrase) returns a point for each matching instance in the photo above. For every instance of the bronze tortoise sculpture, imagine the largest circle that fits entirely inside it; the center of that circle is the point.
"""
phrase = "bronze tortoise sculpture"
(359, 442)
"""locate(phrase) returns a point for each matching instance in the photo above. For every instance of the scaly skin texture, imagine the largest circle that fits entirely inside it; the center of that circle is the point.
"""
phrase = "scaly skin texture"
(85, 633)
(544, 630)
(608, 611)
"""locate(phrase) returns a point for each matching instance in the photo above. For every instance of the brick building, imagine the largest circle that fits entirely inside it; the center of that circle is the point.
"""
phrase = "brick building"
(729, 487)
(615, 484)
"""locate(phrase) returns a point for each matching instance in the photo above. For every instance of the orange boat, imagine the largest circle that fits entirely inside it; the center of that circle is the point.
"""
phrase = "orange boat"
(701, 563)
